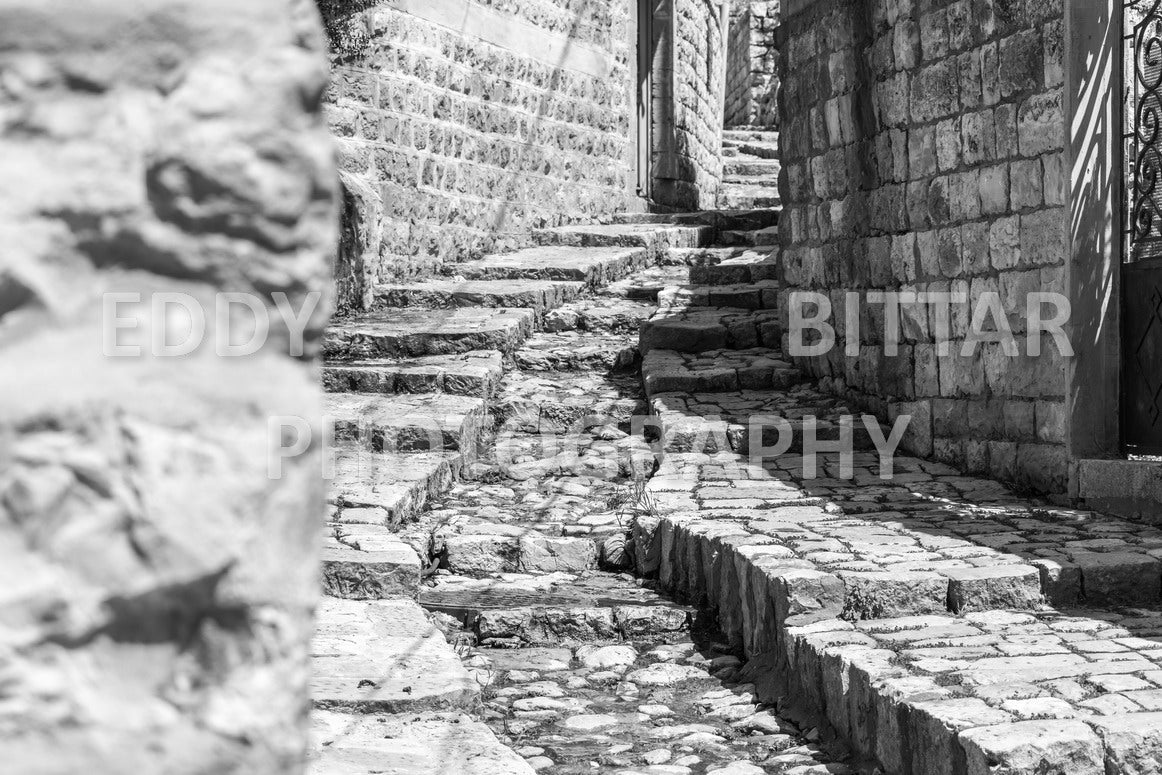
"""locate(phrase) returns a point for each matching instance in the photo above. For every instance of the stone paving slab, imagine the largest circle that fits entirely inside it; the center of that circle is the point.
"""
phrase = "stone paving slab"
(762, 295)
(368, 562)
(759, 368)
(603, 314)
(378, 655)
(407, 423)
(407, 333)
(408, 744)
(476, 373)
(380, 488)
(594, 266)
(538, 295)
(703, 329)
(575, 351)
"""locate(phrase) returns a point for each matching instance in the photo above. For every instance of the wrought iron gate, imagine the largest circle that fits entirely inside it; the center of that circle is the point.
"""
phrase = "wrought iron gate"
(1141, 279)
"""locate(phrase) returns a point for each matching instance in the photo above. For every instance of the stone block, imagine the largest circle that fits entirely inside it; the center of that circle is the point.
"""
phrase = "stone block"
(935, 725)
(1032, 747)
(1001, 586)
(1133, 742)
(889, 594)
(540, 554)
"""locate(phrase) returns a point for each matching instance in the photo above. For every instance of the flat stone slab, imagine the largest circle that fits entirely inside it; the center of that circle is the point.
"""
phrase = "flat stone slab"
(475, 373)
(593, 266)
(703, 329)
(381, 488)
(384, 656)
(648, 283)
(538, 295)
(578, 351)
(408, 744)
(409, 333)
(667, 371)
(747, 165)
(763, 295)
(749, 195)
(368, 562)
(654, 237)
(611, 315)
(406, 423)
(535, 401)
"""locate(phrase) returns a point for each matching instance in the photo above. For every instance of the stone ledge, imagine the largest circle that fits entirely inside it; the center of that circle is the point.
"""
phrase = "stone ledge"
(1129, 488)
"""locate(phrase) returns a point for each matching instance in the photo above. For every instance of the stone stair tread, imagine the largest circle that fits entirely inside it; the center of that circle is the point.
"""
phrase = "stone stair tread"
(759, 368)
(532, 400)
(406, 421)
(763, 149)
(644, 235)
(577, 351)
(382, 488)
(368, 562)
(594, 266)
(540, 295)
(475, 373)
(426, 743)
(401, 333)
(384, 655)
(768, 237)
(761, 295)
(697, 329)
(748, 195)
(602, 314)
(646, 284)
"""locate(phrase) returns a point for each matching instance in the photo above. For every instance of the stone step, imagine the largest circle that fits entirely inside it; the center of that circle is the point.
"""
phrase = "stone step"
(757, 148)
(769, 181)
(593, 266)
(609, 315)
(379, 488)
(742, 135)
(409, 333)
(719, 219)
(532, 401)
(723, 421)
(537, 295)
(368, 562)
(514, 549)
(762, 295)
(654, 238)
(648, 283)
(573, 351)
(476, 373)
(702, 329)
(716, 371)
(750, 166)
(408, 744)
(748, 196)
(526, 610)
(375, 656)
(745, 266)
(425, 422)
(768, 237)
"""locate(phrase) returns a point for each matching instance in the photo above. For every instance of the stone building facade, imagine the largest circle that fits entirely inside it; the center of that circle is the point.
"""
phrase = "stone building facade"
(923, 151)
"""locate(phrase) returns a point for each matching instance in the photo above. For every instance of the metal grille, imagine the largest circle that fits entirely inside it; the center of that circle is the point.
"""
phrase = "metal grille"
(1142, 227)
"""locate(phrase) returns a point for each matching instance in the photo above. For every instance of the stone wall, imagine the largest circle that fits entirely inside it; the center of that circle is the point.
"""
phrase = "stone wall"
(752, 65)
(158, 584)
(923, 150)
(687, 163)
(464, 124)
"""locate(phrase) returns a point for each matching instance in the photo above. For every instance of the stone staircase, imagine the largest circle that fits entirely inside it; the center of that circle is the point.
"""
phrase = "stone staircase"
(750, 177)
(550, 455)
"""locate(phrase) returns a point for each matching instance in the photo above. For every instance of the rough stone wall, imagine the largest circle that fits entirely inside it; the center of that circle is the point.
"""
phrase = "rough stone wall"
(923, 149)
(464, 124)
(158, 584)
(687, 157)
(752, 65)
